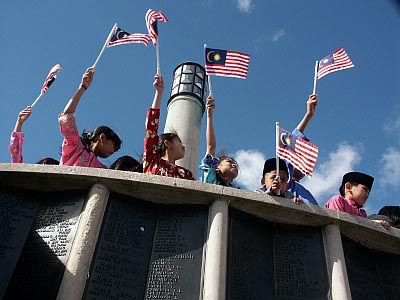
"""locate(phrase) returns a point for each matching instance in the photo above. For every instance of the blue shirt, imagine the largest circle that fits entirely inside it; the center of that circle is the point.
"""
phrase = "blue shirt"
(209, 166)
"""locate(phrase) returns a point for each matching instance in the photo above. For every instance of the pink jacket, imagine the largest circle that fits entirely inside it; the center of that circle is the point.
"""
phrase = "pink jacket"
(342, 204)
(73, 151)
(16, 141)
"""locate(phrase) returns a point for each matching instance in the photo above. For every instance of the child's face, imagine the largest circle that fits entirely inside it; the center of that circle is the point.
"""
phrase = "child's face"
(228, 168)
(104, 147)
(175, 146)
(270, 181)
(358, 193)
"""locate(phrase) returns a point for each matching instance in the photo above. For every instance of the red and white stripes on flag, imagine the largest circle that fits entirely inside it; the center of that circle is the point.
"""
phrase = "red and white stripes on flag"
(151, 18)
(50, 78)
(121, 37)
(227, 63)
(298, 151)
(338, 60)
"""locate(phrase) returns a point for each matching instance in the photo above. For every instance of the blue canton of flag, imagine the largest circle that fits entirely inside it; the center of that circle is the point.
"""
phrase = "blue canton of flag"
(215, 56)
(326, 61)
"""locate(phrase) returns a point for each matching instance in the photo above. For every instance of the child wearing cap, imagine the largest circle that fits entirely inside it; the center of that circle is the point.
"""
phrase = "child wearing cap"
(275, 184)
(354, 192)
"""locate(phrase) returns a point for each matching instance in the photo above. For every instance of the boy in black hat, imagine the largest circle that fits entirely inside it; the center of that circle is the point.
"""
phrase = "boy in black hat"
(354, 192)
(275, 184)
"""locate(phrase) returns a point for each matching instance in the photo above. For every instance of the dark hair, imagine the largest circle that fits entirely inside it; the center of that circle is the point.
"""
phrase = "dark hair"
(161, 148)
(393, 212)
(127, 163)
(48, 161)
(88, 137)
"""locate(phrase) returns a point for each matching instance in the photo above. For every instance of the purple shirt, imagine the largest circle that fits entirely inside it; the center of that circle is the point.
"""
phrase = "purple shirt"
(342, 204)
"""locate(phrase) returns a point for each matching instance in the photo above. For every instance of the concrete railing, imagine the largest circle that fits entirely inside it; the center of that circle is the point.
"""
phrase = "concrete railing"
(239, 225)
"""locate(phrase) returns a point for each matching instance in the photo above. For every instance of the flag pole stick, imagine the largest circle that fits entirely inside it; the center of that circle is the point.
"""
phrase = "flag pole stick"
(105, 45)
(315, 77)
(36, 100)
(276, 153)
(158, 58)
(208, 78)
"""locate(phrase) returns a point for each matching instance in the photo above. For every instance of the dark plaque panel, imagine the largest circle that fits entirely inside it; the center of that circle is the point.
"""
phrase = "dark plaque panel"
(388, 266)
(250, 258)
(17, 210)
(41, 265)
(372, 274)
(176, 259)
(122, 256)
(299, 263)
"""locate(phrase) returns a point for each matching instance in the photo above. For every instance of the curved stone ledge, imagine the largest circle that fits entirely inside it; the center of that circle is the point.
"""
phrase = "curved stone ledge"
(165, 190)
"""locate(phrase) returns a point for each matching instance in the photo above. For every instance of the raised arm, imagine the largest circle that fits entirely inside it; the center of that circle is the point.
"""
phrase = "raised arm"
(311, 107)
(86, 81)
(22, 117)
(159, 86)
(210, 132)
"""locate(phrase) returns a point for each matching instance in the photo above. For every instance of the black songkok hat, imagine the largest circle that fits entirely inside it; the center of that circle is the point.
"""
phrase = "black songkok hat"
(358, 177)
(270, 165)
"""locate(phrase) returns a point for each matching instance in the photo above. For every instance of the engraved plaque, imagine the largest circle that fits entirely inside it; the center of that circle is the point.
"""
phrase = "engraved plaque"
(372, 274)
(299, 263)
(122, 256)
(250, 258)
(388, 266)
(176, 259)
(41, 265)
(17, 210)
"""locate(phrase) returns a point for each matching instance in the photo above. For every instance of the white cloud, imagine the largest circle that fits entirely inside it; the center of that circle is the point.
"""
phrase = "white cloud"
(390, 171)
(277, 35)
(245, 6)
(251, 163)
(328, 175)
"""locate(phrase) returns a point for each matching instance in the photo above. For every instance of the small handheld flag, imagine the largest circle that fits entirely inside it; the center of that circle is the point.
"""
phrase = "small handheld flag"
(338, 60)
(51, 77)
(151, 19)
(121, 37)
(227, 63)
(298, 151)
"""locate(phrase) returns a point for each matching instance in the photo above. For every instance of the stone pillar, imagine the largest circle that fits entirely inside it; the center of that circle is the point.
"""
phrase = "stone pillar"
(216, 252)
(80, 257)
(185, 110)
(337, 273)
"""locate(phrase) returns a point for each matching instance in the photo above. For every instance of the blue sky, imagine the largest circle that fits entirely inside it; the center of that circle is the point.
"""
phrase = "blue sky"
(358, 118)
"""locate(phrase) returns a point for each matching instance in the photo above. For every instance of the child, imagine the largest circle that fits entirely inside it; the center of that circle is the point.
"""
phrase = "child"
(127, 163)
(354, 192)
(275, 184)
(161, 152)
(217, 170)
(295, 175)
(83, 151)
(17, 137)
(390, 214)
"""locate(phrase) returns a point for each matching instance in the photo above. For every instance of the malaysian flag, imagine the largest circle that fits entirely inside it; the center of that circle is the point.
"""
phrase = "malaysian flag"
(121, 37)
(298, 151)
(50, 78)
(151, 18)
(338, 60)
(227, 63)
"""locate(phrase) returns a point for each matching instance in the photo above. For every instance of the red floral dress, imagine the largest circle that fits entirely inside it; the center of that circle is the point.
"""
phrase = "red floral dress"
(153, 163)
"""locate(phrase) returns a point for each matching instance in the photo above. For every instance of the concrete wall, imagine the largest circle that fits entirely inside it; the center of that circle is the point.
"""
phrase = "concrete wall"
(170, 191)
